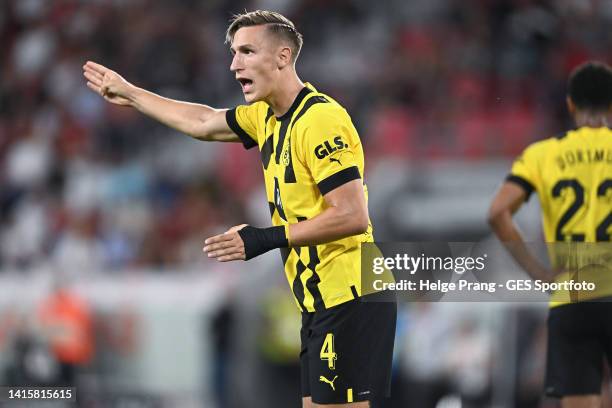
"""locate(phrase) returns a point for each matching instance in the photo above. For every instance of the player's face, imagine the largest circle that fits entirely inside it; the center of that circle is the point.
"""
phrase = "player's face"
(254, 62)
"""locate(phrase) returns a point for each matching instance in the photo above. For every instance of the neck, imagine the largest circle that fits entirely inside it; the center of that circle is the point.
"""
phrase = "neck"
(590, 119)
(288, 88)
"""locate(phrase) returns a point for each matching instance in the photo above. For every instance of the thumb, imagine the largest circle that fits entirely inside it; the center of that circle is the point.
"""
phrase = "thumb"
(236, 228)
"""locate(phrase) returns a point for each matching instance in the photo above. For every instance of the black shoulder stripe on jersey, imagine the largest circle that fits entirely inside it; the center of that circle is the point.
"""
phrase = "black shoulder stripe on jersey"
(311, 101)
(282, 132)
(232, 122)
(338, 179)
(285, 124)
(526, 185)
(268, 115)
(298, 99)
(354, 292)
(289, 171)
(266, 151)
(268, 147)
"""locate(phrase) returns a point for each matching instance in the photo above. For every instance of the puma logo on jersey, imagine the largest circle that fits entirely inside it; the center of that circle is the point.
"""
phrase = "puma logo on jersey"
(331, 159)
(326, 148)
(331, 383)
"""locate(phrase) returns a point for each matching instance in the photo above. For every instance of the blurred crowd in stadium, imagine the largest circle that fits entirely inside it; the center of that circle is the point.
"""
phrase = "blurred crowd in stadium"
(97, 186)
(88, 187)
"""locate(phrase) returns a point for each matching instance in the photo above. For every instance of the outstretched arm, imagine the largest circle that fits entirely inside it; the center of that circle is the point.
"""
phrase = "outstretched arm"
(198, 121)
(507, 201)
(346, 215)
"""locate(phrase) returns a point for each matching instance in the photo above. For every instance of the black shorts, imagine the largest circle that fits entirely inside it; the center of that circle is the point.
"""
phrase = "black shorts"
(347, 351)
(579, 342)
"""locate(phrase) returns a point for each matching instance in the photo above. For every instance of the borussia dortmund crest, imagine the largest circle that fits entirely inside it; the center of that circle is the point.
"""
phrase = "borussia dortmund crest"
(286, 157)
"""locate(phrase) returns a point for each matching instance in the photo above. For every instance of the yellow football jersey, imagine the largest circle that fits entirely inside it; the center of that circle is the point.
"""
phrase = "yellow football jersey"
(307, 152)
(572, 175)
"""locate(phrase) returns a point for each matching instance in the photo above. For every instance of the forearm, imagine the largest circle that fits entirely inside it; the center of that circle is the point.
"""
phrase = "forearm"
(331, 225)
(186, 117)
(346, 214)
(508, 233)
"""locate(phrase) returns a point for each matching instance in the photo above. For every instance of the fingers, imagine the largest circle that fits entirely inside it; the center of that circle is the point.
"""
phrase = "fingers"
(93, 77)
(100, 69)
(227, 254)
(91, 71)
(218, 238)
(233, 257)
(94, 87)
(220, 246)
(230, 254)
(225, 247)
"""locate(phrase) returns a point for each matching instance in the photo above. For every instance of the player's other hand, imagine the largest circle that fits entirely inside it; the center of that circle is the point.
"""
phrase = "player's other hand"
(227, 246)
(549, 275)
(107, 83)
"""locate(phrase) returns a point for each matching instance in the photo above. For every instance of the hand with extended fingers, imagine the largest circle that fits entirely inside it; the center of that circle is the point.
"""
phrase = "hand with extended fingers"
(108, 84)
(227, 246)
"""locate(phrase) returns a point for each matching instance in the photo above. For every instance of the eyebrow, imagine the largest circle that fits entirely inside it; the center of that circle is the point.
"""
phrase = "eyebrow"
(243, 47)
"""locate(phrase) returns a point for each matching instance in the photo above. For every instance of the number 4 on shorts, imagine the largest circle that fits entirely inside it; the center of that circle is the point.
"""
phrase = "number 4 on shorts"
(327, 351)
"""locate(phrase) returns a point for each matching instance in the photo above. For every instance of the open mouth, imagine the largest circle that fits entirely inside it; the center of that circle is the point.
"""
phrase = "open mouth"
(245, 83)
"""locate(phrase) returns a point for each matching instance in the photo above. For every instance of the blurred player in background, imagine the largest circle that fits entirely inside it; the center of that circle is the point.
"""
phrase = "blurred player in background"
(313, 169)
(572, 175)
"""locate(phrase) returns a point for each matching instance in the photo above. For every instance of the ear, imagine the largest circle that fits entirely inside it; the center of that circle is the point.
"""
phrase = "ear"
(571, 107)
(284, 56)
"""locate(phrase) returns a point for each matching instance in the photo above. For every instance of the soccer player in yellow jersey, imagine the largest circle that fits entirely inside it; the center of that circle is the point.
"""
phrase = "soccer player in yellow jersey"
(572, 175)
(313, 167)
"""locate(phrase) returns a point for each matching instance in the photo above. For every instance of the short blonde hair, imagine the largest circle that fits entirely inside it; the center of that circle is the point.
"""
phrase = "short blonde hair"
(278, 24)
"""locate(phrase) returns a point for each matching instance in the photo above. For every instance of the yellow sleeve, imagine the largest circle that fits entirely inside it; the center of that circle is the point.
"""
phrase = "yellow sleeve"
(525, 170)
(244, 121)
(330, 148)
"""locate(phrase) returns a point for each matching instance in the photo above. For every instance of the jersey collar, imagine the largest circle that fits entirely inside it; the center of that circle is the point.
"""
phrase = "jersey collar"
(298, 99)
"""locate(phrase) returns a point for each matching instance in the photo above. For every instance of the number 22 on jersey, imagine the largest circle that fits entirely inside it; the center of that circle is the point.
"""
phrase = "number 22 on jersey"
(601, 230)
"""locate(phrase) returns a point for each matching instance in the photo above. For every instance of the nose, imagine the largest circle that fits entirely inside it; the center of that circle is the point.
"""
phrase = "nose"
(236, 63)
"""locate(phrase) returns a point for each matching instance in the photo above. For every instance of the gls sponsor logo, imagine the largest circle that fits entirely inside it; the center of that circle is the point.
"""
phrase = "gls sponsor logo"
(325, 149)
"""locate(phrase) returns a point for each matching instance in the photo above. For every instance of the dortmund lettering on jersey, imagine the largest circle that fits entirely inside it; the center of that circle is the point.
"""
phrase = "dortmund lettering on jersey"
(572, 175)
(306, 153)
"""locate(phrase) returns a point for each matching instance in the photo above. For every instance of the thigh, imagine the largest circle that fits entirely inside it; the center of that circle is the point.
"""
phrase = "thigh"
(307, 403)
(587, 401)
(350, 349)
(575, 352)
